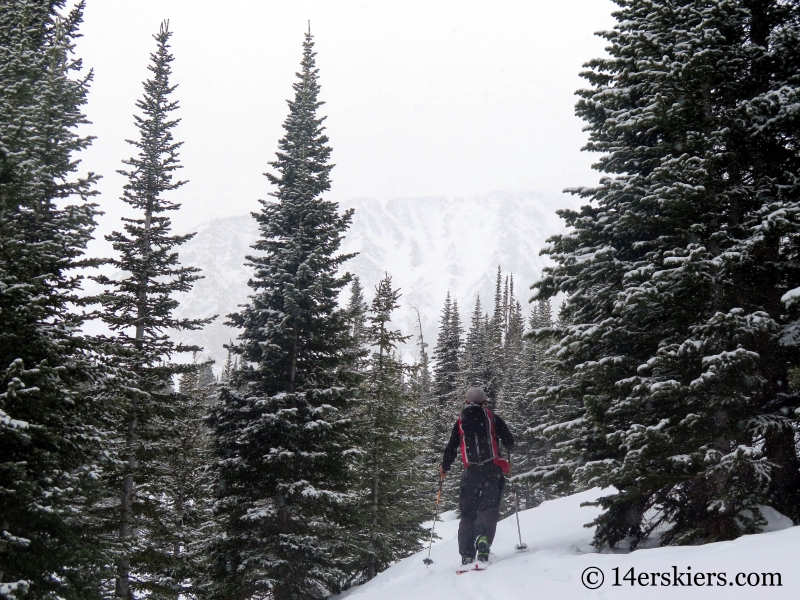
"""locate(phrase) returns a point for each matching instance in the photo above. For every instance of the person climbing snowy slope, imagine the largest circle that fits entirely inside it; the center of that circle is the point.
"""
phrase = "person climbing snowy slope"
(475, 433)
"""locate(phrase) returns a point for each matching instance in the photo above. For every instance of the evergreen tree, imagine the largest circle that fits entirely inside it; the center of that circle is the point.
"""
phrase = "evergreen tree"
(678, 344)
(185, 481)
(496, 332)
(357, 311)
(391, 420)
(476, 368)
(227, 369)
(51, 436)
(512, 394)
(139, 308)
(357, 319)
(514, 388)
(446, 355)
(545, 459)
(205, 375)
(421, 382)
(445, 390)
(420, 385)
(285, 451)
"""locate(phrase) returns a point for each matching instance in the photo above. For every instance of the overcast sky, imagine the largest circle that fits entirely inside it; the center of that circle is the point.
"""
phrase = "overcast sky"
(423, 97)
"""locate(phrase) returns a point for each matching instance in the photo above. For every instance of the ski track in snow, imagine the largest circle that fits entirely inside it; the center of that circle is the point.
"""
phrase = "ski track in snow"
(559, 551)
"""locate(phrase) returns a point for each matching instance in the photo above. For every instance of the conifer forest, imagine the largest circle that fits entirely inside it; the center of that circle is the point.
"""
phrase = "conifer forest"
(658, 356)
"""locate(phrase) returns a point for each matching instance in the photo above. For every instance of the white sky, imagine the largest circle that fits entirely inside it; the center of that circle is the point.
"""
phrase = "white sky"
(424, 97)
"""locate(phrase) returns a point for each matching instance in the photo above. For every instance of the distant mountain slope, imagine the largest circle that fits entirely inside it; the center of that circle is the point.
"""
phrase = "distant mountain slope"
(428, 245)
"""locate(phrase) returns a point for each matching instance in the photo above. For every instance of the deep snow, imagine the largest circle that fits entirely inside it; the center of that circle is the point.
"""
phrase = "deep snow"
(559, 552)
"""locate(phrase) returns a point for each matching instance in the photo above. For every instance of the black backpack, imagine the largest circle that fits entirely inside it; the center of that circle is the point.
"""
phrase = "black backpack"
(478, 438)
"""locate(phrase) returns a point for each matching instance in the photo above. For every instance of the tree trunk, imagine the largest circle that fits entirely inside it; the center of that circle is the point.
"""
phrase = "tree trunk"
(293, 372)
(123, 587)
(126, 517)
(373, 534)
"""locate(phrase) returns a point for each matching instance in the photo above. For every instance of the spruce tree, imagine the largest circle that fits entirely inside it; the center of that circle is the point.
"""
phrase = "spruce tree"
(514, 388)
(139, 308)
(184, 478)
(390, 417)
(227, 368)
(421, 382)
(357, 320)
(285, 448)
(546, 458)
(476, 367)
(677, 343)
(446, 355)
(495, 355)
(512, 394)
(446, 386)
(51, 435)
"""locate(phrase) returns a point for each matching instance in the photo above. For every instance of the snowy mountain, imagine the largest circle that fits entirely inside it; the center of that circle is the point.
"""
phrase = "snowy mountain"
(559, 554)
(428, 245)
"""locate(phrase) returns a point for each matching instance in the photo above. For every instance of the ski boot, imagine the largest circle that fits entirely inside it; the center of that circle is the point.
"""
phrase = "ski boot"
(482, 544)
(467, 560)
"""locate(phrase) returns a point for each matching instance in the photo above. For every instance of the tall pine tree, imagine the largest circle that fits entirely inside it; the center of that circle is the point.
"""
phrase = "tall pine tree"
(50, 435)
(476, 368)
(677, 341)
(139, 307)
(546, 458)
(496, 332)
(186, 481)
(284, 446)
(390, 417)
(420, 379)
(446, 386)
(357, 321)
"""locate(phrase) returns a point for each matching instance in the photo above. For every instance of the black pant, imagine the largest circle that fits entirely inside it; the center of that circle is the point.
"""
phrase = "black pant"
(479, 503)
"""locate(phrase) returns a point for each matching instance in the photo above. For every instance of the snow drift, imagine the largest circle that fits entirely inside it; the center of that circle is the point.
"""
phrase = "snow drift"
(559, 553)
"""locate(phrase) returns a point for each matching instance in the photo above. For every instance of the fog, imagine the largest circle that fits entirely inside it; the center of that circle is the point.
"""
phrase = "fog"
(423, 98)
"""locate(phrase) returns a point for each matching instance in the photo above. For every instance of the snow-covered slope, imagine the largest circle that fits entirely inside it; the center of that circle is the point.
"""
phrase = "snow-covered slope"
(428, 245)
(559, 552)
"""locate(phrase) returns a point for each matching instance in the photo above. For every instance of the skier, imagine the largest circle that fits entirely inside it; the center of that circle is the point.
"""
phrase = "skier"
(475, 433)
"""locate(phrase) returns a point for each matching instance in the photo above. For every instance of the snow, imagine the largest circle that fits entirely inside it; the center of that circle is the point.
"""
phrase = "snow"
(428, 245)
(7, 421)
(790, 297)
(7, 590)
(559, 552)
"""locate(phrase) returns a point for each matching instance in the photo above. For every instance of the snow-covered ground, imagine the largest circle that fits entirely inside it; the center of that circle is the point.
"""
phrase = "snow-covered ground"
(559, 553)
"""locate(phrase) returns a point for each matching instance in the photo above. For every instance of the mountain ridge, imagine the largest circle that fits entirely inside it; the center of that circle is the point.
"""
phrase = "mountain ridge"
(430, 245)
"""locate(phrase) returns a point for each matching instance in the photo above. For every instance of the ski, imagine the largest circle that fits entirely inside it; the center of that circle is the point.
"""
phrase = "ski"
(475, 568)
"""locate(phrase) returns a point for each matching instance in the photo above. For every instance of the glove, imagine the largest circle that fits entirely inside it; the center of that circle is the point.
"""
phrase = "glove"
(442, 472)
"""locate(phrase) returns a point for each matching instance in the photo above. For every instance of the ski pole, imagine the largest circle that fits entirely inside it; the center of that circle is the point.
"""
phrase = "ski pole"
(522, 545)
(428, 560)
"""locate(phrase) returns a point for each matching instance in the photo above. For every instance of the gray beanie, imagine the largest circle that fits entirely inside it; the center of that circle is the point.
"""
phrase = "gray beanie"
(476, 395)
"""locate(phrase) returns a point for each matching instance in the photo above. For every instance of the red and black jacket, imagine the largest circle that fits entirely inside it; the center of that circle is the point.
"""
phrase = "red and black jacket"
(475, 435)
